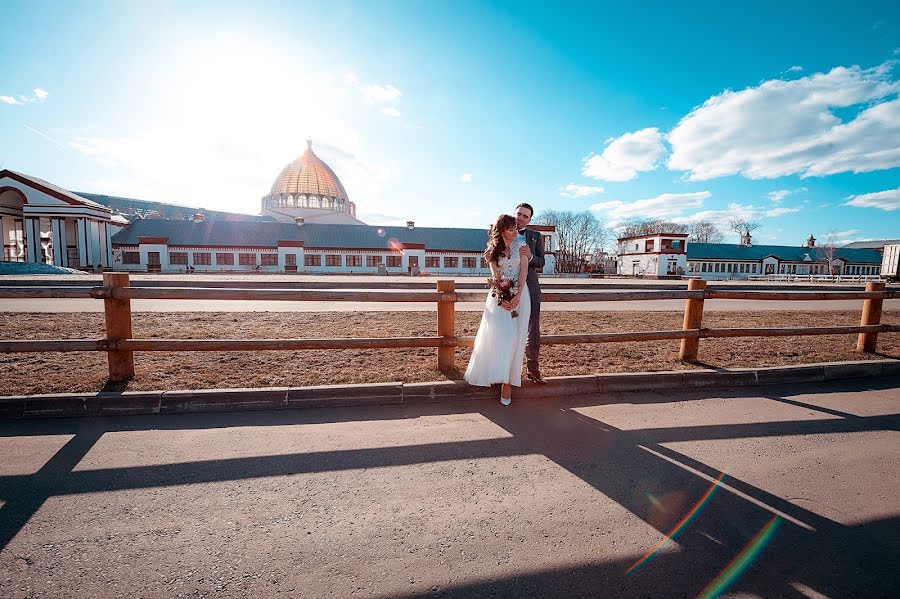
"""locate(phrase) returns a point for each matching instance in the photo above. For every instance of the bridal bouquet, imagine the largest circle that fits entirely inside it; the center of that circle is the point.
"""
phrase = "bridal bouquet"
(504, 290)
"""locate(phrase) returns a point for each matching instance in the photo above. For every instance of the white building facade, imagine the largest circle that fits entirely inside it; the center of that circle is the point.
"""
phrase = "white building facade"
(42, 223)
(665, 255)
(215, 246)
(654, 256)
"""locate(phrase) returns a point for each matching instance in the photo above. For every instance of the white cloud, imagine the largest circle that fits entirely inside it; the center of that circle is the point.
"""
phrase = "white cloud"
(373, 93)
(783, 128)
(779, 211)
(390, 111)
(465, 178)
(667, 205)
(574, 190)
(795, 69)
(39, 96)
(886, 200)
(780, 194)
(777, 196)
(626, 156)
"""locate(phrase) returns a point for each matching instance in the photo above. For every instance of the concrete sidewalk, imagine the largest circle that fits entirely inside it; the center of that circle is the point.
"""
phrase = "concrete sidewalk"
(566, 497)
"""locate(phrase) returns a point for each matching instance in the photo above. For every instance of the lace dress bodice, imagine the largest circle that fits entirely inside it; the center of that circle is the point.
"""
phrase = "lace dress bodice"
(509, 267)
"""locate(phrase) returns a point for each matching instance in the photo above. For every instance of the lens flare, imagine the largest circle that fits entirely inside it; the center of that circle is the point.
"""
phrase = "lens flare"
(395, 245)
(736, 567)
(678, 527)
(380, 232)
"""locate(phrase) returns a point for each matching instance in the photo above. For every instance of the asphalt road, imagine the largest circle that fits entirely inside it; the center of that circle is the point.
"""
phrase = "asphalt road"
(561, 498)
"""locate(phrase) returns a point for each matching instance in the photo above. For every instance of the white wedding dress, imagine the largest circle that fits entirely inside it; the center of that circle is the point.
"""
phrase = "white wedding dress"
(500, 342)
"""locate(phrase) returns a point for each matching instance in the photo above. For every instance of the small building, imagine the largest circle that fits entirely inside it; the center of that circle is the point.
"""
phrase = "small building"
(654, 256)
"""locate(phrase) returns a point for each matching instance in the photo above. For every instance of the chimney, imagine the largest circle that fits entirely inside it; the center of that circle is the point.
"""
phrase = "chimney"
(410, 224)
(198, 217)
(299, 220)
(745, 239)
(811, 242)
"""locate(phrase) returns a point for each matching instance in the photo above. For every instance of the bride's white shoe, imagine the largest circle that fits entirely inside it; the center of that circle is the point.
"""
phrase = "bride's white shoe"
(505, 400)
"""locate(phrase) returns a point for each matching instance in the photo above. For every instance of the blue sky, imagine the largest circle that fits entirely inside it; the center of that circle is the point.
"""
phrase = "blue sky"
(448, 113)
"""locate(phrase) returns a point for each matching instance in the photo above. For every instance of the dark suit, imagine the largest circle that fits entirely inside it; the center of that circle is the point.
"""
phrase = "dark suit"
(535, 242)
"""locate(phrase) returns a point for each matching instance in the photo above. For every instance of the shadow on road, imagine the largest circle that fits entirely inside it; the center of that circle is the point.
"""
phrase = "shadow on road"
(787, 549)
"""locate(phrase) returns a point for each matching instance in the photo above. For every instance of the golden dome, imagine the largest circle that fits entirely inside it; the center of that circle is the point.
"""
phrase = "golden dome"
(309, 176)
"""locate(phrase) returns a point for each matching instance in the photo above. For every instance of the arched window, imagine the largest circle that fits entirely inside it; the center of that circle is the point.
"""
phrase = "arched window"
(314, 201)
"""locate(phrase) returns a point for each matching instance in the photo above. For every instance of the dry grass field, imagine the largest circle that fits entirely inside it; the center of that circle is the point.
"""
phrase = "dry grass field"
(86, 371)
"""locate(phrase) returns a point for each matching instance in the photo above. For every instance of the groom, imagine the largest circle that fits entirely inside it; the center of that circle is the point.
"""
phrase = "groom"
(535, 242)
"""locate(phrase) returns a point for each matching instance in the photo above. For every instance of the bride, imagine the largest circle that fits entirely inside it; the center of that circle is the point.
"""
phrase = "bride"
(501, 338)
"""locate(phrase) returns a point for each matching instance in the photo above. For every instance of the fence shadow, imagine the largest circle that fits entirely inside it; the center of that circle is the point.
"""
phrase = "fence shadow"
(629, 467)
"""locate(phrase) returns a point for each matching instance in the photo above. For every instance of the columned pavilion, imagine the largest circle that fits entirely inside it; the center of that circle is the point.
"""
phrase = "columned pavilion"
(40, 222)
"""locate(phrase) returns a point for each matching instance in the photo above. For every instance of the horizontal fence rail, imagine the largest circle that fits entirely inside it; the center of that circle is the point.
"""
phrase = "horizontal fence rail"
(303, 295)
(116, 293)
(405, 342)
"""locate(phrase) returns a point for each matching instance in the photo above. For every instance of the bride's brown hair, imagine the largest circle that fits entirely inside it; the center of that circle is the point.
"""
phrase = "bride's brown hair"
(495, 238)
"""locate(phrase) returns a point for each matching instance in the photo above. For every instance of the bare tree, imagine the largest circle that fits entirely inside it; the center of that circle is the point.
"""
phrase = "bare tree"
(705, 231)
(742, 226)
(579, 235)
(828, 252)
(634, 227)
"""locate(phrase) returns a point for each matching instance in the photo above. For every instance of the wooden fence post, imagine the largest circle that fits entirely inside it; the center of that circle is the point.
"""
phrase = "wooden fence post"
(693, 319)
(871, 314)
(446, 325)
(118, 326)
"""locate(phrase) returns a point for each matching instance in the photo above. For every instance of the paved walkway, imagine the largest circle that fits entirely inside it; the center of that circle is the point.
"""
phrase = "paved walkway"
(570, 498)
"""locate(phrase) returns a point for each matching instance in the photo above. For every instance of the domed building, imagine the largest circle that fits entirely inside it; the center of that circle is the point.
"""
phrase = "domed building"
(307, 188)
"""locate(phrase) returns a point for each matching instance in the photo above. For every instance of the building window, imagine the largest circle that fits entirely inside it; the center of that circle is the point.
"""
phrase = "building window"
(202, 258)
(354, 261)
(268, 259)
(131, 257)
(178, 258)
(469, 262)
(648, 246)
(484, 263)
(290, 259)
(312, 260)
(414, 262)
(225, 258)
(394, 261)
(432, 262)
(333, 260)
(373, 261)
(247, 259)
(451, 262)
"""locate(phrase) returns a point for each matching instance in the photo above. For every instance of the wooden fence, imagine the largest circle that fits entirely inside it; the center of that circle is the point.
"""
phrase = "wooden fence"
(120, 346)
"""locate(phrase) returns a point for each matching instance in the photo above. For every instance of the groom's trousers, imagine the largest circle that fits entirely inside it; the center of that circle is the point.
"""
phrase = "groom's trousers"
(533, 348)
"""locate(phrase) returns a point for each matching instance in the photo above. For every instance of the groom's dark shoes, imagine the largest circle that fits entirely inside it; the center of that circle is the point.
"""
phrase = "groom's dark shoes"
(535, 377)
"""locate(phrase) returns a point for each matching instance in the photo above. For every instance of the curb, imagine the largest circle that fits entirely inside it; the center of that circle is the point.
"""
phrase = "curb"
(274, 398)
